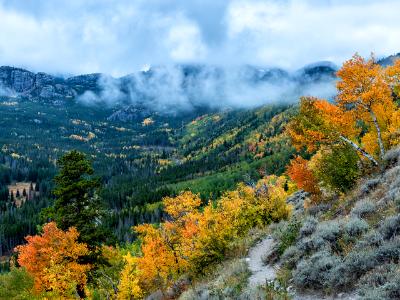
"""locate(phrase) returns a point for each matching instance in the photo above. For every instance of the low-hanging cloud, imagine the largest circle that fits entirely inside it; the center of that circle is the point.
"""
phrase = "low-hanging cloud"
(118, 37)
(175, 88)
(110, 93)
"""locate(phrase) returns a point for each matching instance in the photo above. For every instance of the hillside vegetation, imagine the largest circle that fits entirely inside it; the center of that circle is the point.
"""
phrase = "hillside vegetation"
(321, 179)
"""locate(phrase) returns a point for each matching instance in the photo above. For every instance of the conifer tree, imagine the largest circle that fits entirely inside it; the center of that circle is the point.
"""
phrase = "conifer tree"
(77, 204)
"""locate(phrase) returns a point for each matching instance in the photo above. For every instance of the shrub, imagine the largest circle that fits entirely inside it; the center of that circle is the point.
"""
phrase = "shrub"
(319, 209)
(314, 273)
(338, 167)
(369, 185)
(309, 226)
(356, 227)
(297, 200)
(309, 244)
(287, 235)
(392, 156)
(363, 208)
(291, 256)
(392, 174)
(377, 276)
(383, 282)
(326, 236)
(397, 203)
(16, 284)
(228, 282)
(388, 251)
(328, 231)
(353, 266)
(370, 239)
(390, 227)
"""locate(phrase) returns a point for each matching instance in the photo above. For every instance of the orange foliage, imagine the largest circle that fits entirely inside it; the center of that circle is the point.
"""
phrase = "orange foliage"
(52, 259)
(301, 174)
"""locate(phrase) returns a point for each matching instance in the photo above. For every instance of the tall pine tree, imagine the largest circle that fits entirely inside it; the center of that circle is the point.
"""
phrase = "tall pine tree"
(77, 203)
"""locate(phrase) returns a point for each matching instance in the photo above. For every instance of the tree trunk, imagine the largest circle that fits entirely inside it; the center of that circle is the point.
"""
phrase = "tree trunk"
(378, 130)
(359, 149)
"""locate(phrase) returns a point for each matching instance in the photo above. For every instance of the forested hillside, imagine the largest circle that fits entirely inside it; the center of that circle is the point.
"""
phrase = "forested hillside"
(145, 150)
(128, 202)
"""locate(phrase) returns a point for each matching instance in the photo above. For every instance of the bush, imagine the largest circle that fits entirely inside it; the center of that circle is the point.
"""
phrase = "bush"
(389, 251)
(326, 236)
(287, 235)
(383, 282)
(390, 227)
(370, 239)
(291, 256)
(392, 156)
(228, 282)
(354, 265)
(338, 167)
(377, 276)
(356, 227)
(17, 284)
(363, 208)
(328, 231)
(369, 185)
(314, 273)
(309, 226)
(319, 209)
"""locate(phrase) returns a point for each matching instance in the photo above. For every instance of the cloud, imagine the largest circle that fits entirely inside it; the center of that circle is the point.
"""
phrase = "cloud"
(110, 93)
(6, 92)
(171, 89)
(119, 37)
(185, 43)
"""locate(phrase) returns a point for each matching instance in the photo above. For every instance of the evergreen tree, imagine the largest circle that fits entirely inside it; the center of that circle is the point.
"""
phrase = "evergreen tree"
(77, 203)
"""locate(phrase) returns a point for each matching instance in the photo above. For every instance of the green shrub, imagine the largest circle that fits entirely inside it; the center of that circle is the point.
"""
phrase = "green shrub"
(286, 234)
(338, 168)
(16, 284)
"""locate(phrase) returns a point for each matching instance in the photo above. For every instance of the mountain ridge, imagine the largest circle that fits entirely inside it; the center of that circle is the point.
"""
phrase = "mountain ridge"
(21, 83)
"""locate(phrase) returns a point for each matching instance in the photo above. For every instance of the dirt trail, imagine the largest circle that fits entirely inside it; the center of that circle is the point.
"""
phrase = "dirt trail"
(261, 272)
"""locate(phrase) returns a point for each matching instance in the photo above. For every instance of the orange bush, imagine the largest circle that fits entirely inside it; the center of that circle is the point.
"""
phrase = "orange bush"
(52, 259)
(300, 173)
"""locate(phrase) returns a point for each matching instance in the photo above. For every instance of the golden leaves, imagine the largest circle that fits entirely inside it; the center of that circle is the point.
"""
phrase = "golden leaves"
(192, 239)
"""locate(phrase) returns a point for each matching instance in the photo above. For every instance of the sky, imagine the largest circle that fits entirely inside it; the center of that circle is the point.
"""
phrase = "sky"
(118, 37)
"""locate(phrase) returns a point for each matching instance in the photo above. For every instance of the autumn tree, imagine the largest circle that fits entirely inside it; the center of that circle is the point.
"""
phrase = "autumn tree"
(191, 239)
(364, 115)
(52, 259)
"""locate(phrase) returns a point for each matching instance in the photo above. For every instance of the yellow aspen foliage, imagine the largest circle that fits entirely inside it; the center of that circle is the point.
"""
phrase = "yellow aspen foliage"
(52, 259)
(181, 205)
(365, 115)
(129, 287)
(191, 240)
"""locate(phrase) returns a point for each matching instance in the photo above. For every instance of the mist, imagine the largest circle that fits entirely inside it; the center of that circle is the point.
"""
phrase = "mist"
(175, 88)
